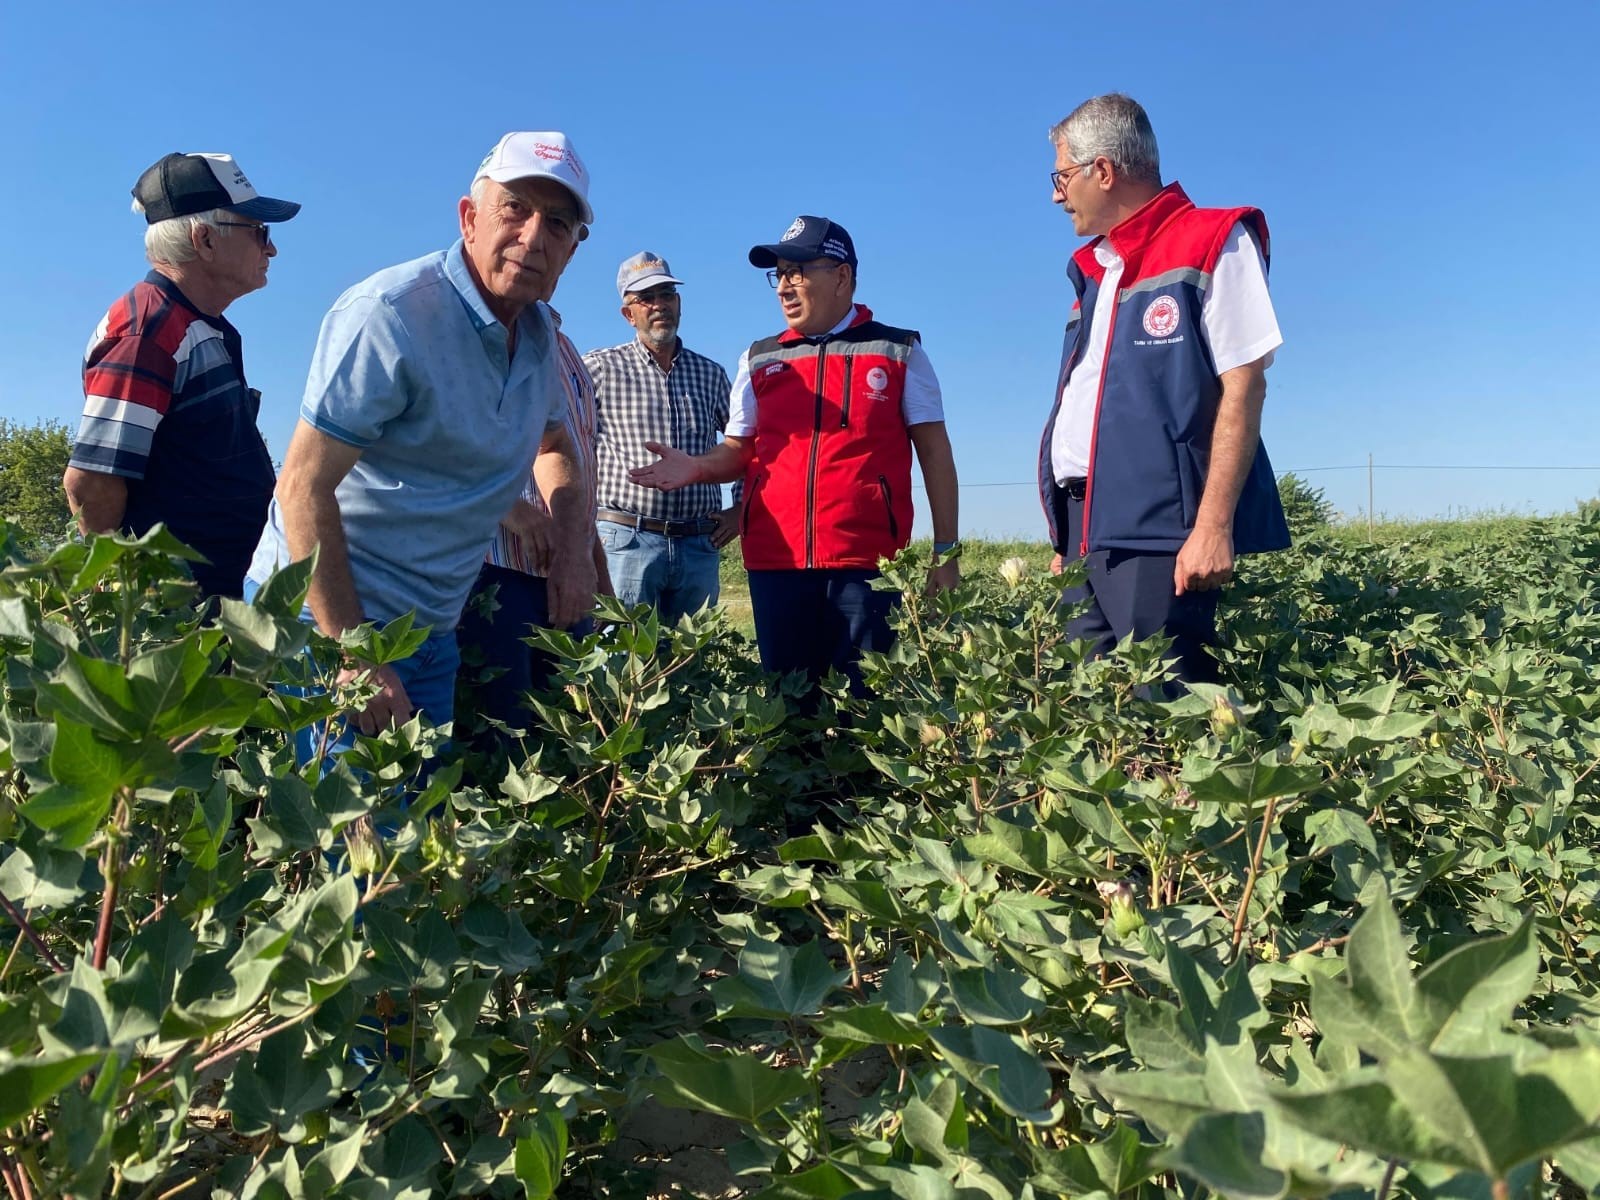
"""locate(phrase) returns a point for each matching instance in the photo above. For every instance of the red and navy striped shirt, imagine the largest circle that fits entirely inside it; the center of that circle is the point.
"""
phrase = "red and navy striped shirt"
(167, 408)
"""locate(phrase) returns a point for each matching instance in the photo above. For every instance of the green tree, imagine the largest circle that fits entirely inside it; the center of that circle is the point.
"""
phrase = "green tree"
(32, 459)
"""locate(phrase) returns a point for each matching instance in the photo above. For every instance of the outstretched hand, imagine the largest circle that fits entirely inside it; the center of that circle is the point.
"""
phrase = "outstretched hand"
(672, 470)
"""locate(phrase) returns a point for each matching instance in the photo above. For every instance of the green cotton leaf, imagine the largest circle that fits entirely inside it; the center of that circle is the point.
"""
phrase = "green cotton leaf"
(258, 640)
(1223, 1151)
(992, 995)
(1365, 1114)
(28, 1084)
(409, 1150)
(540, 1153)
(1331, 827)
(909, 985)
(284, 1081)
(94, 692)
(219, 704)
(1169, 1100)
(870, 1025)
(1375, 1006)
(777, 981)
(898, 1181)
(1001, 1065)
(1499, 1114)
(1255, 782)
(1475, 988)
(87, 774)
(332, 1165)
(159, 679)
(867, 898)
(410, 954)
(936, 1126)
(1158, 1036)
(1026, 851)
(43, 878)
(283, 595)
(955, 866)
(737, 1085)
(1121, 1161)
(821, 1182)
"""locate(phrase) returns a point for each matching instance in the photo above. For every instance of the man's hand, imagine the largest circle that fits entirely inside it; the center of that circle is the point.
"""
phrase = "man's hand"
(672, 470)
(536, 530)
(1057, 563)
(944, 577)
(570, 588)
(728, 521)
(1205, 562)
(390, 707)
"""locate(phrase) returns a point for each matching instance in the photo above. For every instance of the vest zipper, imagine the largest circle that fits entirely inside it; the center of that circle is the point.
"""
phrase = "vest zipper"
(1094, 437)
(844, 408)
(888, 507)
(811, 466)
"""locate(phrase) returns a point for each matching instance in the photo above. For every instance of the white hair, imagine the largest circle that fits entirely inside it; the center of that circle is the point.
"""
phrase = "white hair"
(169, 241)
(1112, 126)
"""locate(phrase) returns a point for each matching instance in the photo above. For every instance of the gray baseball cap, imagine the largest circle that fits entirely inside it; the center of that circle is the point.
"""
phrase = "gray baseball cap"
(644, 270)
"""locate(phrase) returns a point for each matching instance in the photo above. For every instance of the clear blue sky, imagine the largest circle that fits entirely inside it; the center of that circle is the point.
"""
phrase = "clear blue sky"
(1429, 172)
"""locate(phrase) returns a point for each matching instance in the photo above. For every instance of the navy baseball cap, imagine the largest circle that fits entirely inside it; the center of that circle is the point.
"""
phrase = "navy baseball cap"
(806, 240)
(180, 185)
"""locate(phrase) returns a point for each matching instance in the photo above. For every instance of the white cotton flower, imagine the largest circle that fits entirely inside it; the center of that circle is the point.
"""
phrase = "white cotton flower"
(1014, 571)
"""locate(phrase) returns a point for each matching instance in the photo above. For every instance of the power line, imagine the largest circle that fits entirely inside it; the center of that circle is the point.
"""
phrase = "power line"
(1349, 467)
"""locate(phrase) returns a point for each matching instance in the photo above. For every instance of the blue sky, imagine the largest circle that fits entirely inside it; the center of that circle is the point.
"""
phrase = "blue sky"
(1429, 172)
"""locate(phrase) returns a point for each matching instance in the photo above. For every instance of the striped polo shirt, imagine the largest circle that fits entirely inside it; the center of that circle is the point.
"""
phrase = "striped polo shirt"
(166, 407)
(577, 414)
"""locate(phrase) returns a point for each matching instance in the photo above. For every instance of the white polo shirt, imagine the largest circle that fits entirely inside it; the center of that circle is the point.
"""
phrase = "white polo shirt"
(1236, 319)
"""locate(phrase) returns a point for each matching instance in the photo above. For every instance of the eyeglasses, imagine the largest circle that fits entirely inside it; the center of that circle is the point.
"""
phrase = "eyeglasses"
(795, 272)
(263, 232)
(1060, 179)
(655, 297)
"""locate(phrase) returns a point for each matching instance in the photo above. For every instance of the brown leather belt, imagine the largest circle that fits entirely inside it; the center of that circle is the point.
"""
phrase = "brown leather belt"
(694, 527)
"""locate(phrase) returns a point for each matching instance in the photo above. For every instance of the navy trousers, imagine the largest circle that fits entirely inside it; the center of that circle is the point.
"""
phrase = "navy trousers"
(1128, 592)
(522, 601)
(815, 620)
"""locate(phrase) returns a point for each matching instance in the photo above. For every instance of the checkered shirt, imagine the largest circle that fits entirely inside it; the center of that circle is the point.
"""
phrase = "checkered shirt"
(637, 402)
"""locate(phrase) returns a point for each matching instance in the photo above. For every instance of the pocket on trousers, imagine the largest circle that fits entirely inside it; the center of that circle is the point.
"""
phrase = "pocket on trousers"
(617, 538)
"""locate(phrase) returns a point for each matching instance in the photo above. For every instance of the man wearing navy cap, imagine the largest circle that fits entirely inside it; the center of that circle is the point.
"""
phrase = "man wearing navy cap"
(823, 422)
(169, 423)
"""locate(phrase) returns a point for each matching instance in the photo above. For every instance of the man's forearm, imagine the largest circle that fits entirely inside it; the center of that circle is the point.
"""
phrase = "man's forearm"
(1235, 438)
(311, 520)
(560, 482)
(938, 463)
(99, 501)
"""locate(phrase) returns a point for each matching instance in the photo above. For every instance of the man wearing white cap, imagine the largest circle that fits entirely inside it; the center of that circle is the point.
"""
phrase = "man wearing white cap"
(169, 423)
(433, 386)
(661, 547)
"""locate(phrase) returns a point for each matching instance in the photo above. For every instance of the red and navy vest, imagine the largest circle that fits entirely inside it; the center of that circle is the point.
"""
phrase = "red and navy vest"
(1159, 391)
(829, 484)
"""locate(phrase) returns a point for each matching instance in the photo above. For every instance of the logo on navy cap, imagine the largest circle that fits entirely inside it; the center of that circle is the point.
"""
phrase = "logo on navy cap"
(794, 230)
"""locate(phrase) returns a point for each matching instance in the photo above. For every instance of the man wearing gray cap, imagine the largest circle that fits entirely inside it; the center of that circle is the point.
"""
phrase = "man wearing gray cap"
(661, 547)
(169, 423)
(433, 386)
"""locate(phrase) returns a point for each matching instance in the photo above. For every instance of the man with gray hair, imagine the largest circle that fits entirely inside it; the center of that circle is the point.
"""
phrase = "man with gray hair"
(662, 549)
(433, 386)
(1151, 469)
(169, 423)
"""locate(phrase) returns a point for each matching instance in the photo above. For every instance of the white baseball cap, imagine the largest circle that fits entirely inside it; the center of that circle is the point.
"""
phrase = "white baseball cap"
(546, 154)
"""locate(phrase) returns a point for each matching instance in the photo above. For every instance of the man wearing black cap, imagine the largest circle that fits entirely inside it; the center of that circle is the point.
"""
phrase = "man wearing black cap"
(169, 423)
(823, 421)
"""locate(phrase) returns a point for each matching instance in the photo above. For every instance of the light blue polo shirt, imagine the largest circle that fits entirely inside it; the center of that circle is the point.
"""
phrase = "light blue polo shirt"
(411, 368)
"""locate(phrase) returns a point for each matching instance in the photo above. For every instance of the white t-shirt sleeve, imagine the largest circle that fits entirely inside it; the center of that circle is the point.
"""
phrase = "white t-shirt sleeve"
(1239, 323)
(741, 402)
(922, 401)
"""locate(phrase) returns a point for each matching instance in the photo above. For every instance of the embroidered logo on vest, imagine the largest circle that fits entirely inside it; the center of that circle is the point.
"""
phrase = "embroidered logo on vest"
(773, 368)
(878, 383)
(1161, 318)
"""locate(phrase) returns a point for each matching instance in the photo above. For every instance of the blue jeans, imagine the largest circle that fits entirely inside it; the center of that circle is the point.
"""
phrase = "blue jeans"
(522, 600)
(815, 620)
(674, 575)
(429, 677)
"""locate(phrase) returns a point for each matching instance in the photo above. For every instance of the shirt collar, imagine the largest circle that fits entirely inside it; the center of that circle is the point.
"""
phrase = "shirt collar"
(456, 270)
